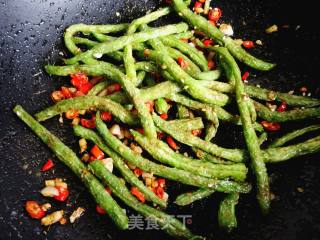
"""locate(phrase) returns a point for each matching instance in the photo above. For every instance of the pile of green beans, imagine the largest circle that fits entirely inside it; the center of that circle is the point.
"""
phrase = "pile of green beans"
(190, 100)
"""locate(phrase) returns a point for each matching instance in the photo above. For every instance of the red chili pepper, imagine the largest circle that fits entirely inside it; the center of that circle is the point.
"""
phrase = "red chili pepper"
(149, 105)
(137, 171)
(78, 94)
(160, 192)
(303, 89)
(182, 62)
(139, 195)
(66, 92)
(282, 107)
(207, 42)
(100, 210)
(48, 165)
(162, 182)
(140, 130)
(214, 14)
(97, 153)
(171, 143)
(71, 114)
(92, 158)
(248, 44)
(34, 209)
(63, 193)
(213, 23)
(106, 116)
(196, 132)
(57, 96)
(271, 126)
(88, 123)
(81, 82)
(108, 190)
(211, 64)
(164, 116)
(197, 5)
(160, 135)
(245, 76)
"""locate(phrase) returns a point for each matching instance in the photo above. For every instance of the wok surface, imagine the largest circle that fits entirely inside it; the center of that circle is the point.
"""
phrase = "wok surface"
(31, 35)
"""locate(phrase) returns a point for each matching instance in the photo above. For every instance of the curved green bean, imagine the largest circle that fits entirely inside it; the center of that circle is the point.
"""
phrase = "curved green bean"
(292, 135)
(226, 215)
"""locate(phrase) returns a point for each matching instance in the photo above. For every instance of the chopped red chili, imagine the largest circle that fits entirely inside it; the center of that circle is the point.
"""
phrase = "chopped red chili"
(48, 165)
(271, 126)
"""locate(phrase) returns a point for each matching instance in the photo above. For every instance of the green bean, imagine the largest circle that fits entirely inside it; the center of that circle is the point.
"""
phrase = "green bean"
(156, 44)
(87, 102)
(134, 94)
(73, 29)
(291, 115)
(211, 31)
(191, 68)
(210, 158)
(168, 223)
(210, 75)
(195, 90)
(163, 153)
(96, 89)
(116, 55)
(195, 55)
(161, 106)
(292, 135)
(102, 37)
(183, 112)
(206, 109)
(119, 43)
(291, 100)
(128, 175)
(128, 57)
(141, 75)
(226, 215)
(190, 197)
(187, 124)
(70, 159)
(262, 138)
(256, 156)
(163, 171)
(279, 154)
(235, 155)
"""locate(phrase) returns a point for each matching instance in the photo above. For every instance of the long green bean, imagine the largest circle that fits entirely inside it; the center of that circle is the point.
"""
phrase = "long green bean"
(292, 135)
(167, 172)
(119, 43)
(128, 175)
(256, 156)
(291, 115)
(168, 223)
(70, 159)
